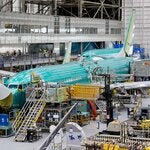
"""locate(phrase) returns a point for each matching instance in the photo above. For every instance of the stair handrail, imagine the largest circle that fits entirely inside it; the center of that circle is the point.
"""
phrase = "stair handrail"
(30, 117)
(22, 112)
(26, 121)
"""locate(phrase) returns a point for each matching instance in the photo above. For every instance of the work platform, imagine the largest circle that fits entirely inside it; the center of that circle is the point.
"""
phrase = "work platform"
(32, 61)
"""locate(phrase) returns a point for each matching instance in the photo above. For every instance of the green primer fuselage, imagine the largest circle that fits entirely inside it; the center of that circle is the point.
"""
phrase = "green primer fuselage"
(70, 73)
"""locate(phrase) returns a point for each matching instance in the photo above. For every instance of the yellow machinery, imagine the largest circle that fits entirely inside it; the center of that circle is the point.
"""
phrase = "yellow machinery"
(79, 91)
(110, 147)
(123, 148)
(80, 118)
(144, 124)
(87, 92)
(105, 146)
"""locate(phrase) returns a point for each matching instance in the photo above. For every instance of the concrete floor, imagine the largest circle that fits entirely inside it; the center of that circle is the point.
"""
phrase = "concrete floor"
(9, 143)
(90, 129)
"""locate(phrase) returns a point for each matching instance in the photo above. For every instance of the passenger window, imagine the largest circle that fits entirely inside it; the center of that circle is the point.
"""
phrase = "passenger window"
(13, 86)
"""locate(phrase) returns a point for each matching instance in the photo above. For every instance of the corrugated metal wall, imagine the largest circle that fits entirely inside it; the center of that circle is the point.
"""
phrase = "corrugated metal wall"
(142, 21)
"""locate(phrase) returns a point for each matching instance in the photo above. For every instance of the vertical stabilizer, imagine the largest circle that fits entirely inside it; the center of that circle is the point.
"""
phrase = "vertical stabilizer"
(127, 49)
(67, 53)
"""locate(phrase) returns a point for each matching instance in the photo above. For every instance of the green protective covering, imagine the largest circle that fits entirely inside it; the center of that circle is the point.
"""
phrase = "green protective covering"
(74, 72)
(70, 73)
(112, 66)
(101, 52)
(19, 98)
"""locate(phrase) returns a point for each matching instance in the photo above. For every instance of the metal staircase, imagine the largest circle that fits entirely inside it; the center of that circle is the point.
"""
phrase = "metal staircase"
(30, 117)
(101, 105)
(23, 112)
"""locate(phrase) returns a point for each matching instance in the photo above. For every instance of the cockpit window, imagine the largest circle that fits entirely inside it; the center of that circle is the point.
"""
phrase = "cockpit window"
(20, 86)
(13, 86)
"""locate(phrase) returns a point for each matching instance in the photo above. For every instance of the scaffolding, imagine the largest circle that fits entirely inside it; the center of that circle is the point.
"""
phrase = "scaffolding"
(103, 9)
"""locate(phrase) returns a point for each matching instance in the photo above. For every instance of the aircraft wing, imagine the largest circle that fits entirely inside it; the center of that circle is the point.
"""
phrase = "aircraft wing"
(131, 85)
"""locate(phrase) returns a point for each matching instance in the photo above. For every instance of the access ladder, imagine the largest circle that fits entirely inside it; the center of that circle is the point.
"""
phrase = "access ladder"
(30, 120)
(23, 112)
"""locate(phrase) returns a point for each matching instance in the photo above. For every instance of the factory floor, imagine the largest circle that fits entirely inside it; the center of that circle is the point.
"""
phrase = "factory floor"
(10, 144)
(90, 129)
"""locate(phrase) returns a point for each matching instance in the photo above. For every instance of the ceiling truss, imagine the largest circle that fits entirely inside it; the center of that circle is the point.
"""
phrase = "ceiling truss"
(103, 9)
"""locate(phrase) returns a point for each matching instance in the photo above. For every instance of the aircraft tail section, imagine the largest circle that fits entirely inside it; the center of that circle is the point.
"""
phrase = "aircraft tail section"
(67, 53)
(127, 49)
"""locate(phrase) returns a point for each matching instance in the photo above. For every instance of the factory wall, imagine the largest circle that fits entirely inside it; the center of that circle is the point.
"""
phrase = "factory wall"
(23, 29)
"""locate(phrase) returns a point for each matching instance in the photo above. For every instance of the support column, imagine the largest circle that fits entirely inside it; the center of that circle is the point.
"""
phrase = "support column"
(68, 46)
(102, 9)
(108, 44)
(23, 9)
(81, 48)
(17, 6)
(55, 7)
(119, 10)
(80, 2)
(56, 48)
(67, 55)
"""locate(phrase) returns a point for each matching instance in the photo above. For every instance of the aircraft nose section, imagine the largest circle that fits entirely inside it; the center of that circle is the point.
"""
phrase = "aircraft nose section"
(5, 97)
(4, 92)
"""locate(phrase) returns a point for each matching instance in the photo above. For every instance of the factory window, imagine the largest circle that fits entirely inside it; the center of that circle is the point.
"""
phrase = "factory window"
(56, 25)
(32, 28)
(13, 86)
(78, 30)
(93, 31)
(9, 28)
(44, 29)
(25, 29)
(115, 31)
(67, 25)
(86, 30)
(107, 27)
(37, 29)
(17, 28)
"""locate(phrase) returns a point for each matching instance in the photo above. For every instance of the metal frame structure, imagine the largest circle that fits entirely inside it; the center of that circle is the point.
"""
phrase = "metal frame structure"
(61, 20)
(102, 9)
(107, 94)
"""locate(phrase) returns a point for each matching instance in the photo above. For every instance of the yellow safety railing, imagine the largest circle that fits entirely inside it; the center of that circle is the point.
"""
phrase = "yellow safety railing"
(86, 92)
